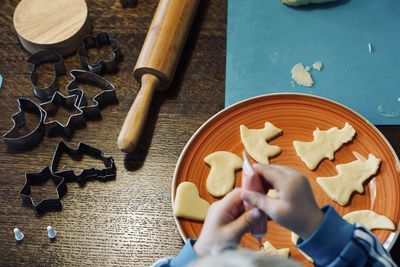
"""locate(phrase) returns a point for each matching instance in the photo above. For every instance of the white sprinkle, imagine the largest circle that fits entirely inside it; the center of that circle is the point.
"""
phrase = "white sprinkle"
(51, 232)
(369, 48)
(18, 234)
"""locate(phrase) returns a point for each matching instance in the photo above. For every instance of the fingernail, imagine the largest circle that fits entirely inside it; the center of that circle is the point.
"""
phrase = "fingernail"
(256, 213)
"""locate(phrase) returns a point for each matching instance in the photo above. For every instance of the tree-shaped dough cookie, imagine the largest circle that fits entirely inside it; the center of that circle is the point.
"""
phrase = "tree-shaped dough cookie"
(255, 142)
(350, 178)
(324, 145)
(221, 178)
(188, 203)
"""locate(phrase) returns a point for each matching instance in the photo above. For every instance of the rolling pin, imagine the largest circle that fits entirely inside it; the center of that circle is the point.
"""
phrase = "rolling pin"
(157, 62)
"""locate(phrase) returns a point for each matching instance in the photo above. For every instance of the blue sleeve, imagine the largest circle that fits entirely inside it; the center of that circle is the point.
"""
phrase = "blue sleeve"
(185, 256)
(338, 243)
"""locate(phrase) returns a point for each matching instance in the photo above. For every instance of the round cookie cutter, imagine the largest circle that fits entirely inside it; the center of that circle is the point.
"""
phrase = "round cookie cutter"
(49, 24)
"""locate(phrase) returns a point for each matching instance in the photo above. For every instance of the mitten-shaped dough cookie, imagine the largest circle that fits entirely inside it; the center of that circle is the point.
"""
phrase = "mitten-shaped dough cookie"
(221, 178)
(370, 219)
(188, 203)
(255, 142)
(350, 178)
(324, 145)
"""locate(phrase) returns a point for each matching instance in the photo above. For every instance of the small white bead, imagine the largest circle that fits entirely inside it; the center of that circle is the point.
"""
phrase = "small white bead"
(18, 234)
(51, 232)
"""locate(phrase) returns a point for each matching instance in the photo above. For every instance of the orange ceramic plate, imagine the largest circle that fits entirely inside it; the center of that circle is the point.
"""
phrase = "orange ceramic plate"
(298, 115)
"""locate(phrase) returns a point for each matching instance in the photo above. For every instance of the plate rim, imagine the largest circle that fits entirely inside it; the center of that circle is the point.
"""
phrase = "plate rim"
(389, 242)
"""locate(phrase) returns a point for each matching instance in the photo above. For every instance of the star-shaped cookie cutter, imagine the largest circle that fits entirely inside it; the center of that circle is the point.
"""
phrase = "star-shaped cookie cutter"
(105, 97)
(44, 205)
(105, 174)
(42, 57)
(100, 40)
(75, 121)
(13, 138)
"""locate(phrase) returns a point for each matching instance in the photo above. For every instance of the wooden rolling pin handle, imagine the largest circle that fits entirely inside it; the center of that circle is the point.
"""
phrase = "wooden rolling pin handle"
(131, 129)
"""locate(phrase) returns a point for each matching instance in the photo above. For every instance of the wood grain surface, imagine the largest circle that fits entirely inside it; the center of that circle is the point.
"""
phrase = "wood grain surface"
(127, 221)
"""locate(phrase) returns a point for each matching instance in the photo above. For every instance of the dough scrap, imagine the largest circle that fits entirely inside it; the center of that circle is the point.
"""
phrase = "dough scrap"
(351, 177)
(221, 178)
(301, 75)
(255, 142)
(370, 219)
(305, 2)
(188, 203)
(317, 65)
(295, 237)
(324, 145)
(269, 249)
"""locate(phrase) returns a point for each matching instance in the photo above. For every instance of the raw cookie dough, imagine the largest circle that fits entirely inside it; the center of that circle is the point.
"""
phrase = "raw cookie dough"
(301, 75)
(305, 2)
(324, 145)
(188, 203)
(351, 177)
(317, 65)
(295, 237)
(255, 142)
(272, 193)
(221, 178)
(370, 219)
(269, 249)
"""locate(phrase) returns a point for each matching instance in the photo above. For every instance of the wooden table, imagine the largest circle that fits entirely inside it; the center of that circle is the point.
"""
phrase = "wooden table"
(127, 221)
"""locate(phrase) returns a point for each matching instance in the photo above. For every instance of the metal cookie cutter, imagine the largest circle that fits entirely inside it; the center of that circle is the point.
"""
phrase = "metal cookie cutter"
(105, 97)
(75, 121)
(17, 141)
(42, 57)
(100, 40)
(45, 205)
(105, 174)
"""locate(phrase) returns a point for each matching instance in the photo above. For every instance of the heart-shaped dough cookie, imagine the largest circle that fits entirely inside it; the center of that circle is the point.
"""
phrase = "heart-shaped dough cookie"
(188, 203)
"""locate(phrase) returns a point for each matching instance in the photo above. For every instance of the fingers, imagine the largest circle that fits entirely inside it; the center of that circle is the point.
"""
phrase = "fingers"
(244, 223)
(261, 201)
(232, 203)
(270, 173)
(276, 175)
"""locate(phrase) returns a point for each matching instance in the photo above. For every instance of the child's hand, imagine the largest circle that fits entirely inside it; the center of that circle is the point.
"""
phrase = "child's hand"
(294, 207)
(226, 223)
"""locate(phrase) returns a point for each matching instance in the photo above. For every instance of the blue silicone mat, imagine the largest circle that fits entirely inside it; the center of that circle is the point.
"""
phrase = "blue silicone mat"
(266, 38)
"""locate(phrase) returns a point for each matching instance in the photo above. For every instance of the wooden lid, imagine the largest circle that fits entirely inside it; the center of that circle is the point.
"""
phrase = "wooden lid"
(49, 24)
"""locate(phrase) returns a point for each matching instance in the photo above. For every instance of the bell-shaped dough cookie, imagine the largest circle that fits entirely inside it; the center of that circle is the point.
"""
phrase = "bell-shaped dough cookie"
(324, 145)
(370, 219)
(255, 142)
(351, 177)
(188, 203)
(221, 178)
(269, 249)
(295, 237)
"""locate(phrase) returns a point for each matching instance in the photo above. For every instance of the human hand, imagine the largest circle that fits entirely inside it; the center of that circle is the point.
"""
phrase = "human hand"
(226, 223)
(294, 206)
